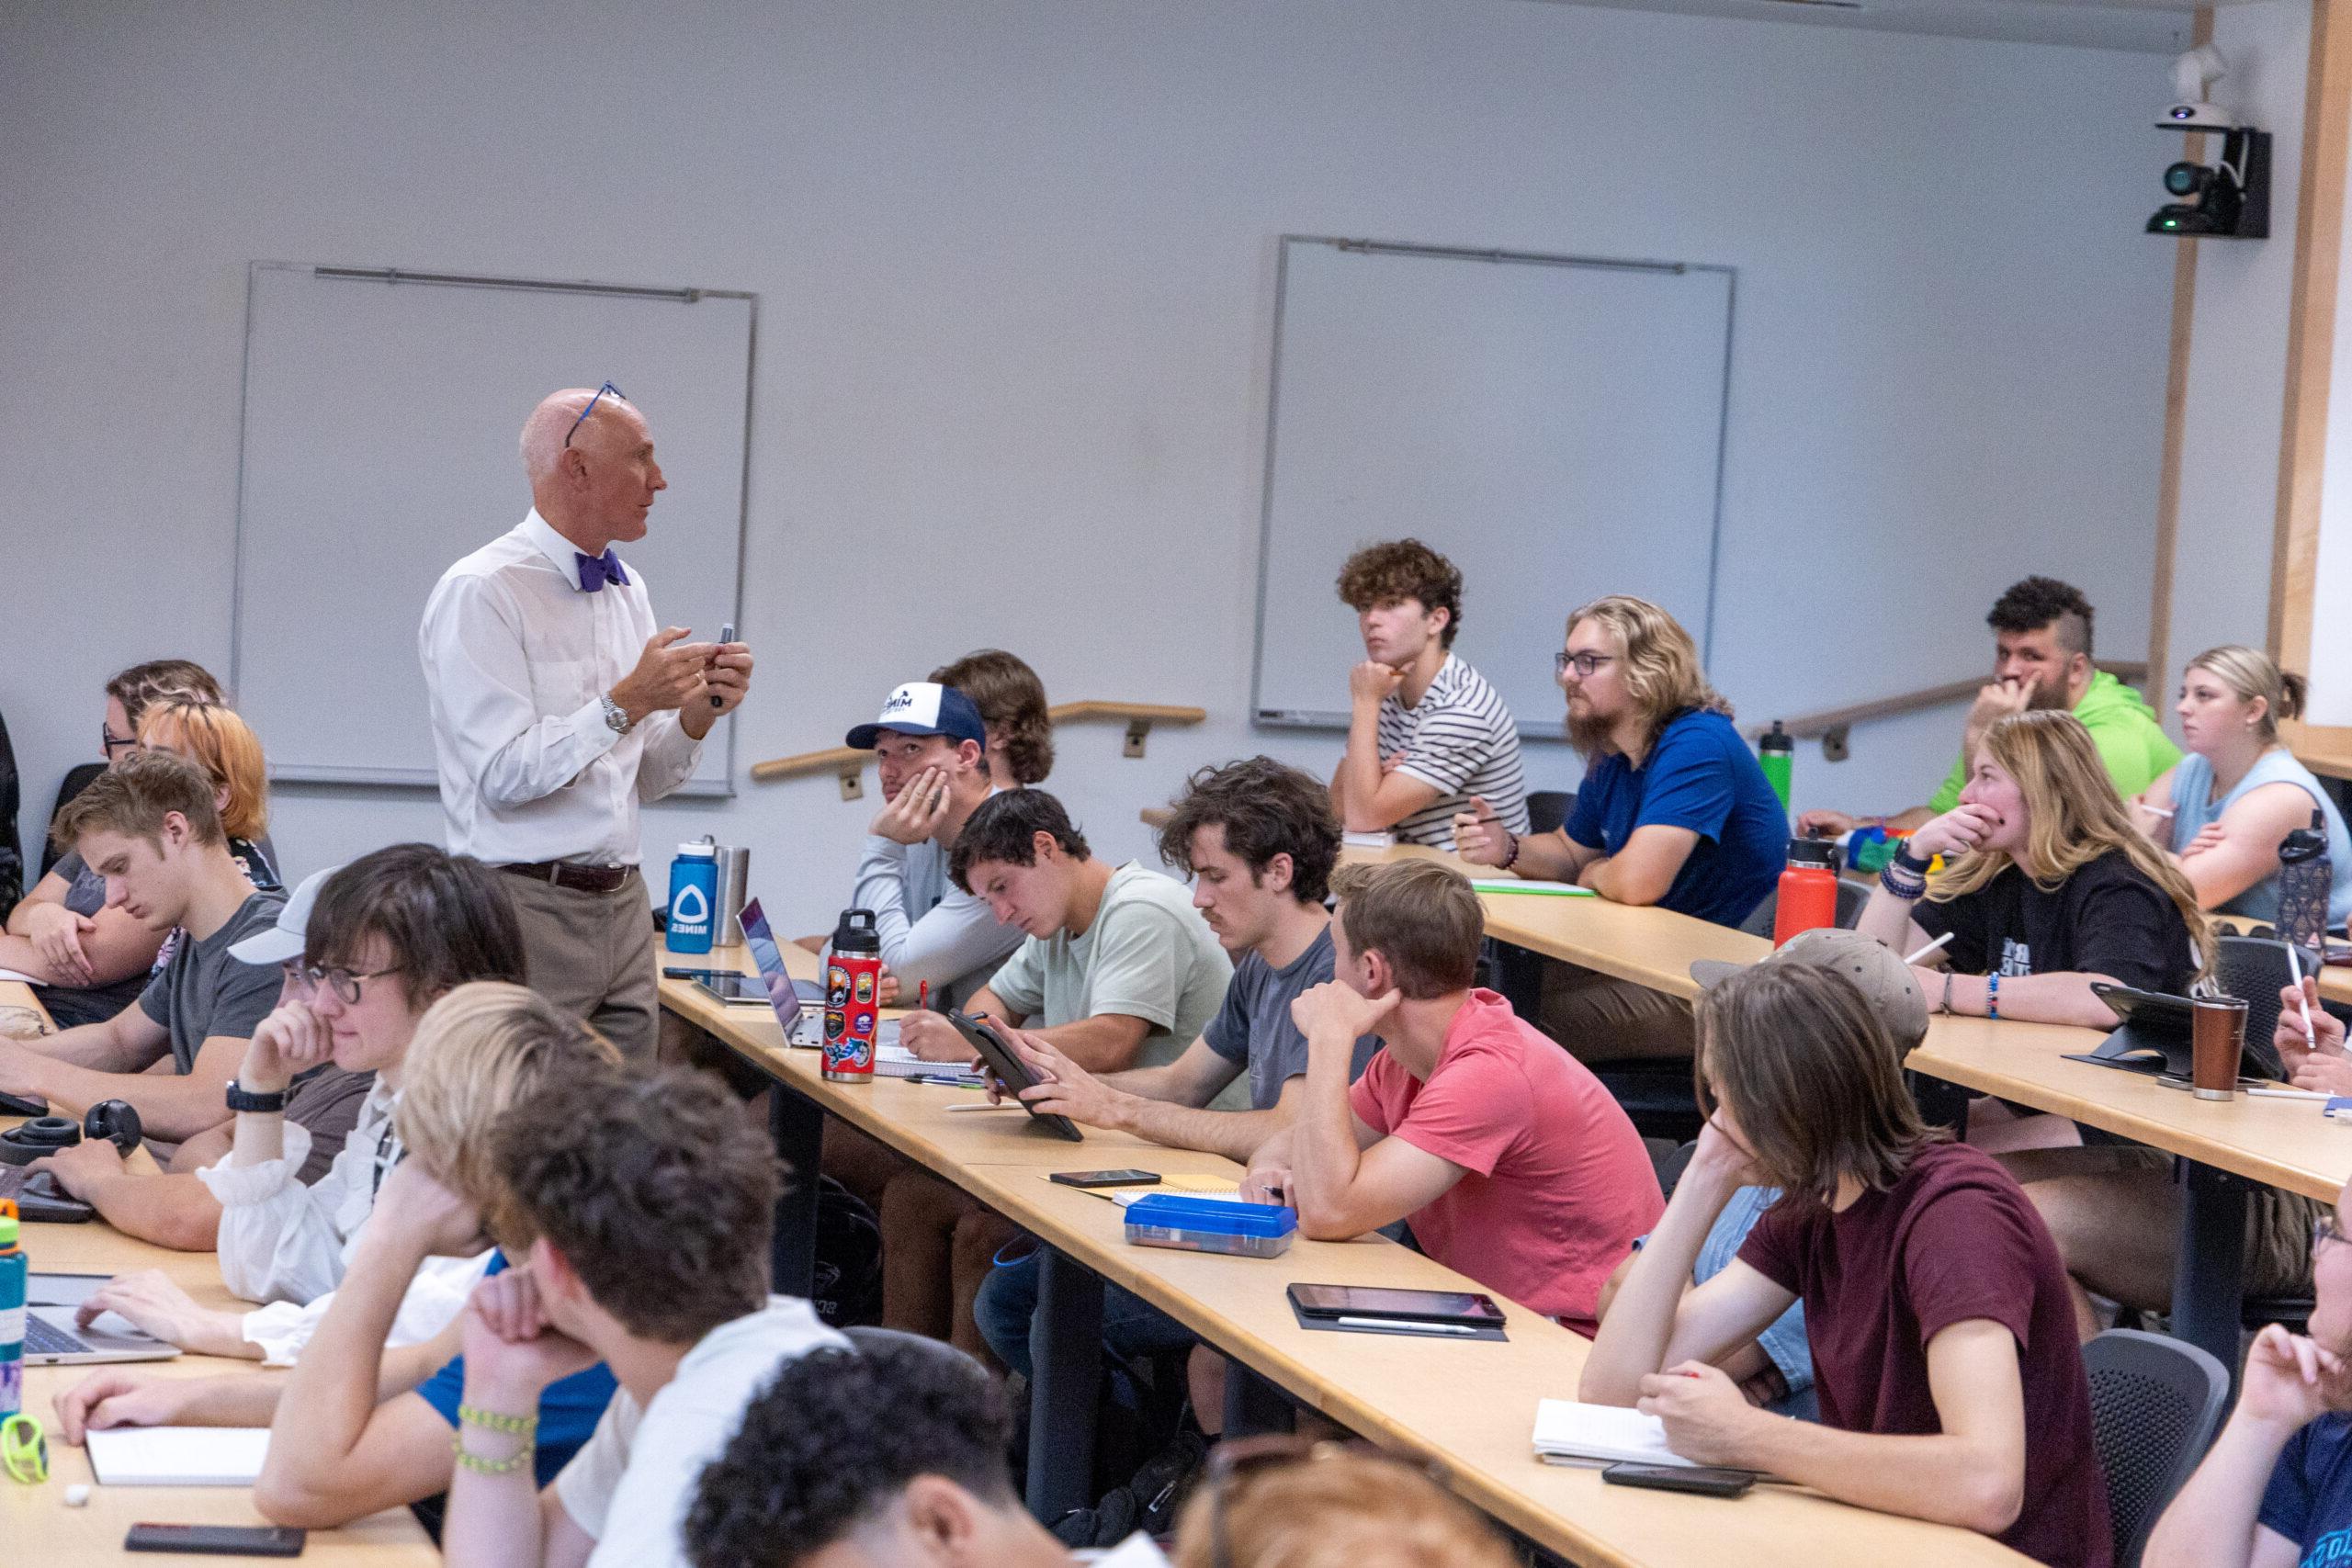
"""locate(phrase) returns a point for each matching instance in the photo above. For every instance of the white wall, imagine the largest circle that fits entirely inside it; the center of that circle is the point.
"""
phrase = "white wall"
(1015, 261)
(2237, 361)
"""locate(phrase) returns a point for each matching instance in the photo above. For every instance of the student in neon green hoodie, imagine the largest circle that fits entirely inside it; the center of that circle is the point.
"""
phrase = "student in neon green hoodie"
(2042, 641)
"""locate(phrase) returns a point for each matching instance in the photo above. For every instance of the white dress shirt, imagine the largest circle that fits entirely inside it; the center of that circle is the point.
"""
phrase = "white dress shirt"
(518, 660)
(288, 1246)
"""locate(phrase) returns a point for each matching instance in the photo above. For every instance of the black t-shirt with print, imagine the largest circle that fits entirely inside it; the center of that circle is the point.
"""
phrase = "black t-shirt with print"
(2107, 919)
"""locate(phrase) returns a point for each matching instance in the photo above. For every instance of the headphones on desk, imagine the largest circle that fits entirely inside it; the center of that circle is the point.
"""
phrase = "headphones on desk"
(114, 1119)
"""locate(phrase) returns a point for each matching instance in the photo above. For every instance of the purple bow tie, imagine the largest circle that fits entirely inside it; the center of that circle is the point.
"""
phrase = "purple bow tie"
(597, 571)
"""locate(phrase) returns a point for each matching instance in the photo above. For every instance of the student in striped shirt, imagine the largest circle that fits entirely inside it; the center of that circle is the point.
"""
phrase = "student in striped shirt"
(1425, 730)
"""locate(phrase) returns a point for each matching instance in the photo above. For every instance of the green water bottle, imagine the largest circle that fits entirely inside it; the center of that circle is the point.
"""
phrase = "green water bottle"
(1776, 755)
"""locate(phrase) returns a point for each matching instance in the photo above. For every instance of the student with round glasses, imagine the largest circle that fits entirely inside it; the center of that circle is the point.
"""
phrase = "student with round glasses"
(366, 950)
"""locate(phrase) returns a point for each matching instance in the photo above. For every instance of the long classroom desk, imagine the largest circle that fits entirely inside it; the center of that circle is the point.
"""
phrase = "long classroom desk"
(2224, 1147)
(36, 1525)
(1467, 1407)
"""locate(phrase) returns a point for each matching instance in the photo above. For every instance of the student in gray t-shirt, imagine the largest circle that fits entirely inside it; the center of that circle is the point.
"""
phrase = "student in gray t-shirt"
(930, 748)
(1259, 840)
(149, 827)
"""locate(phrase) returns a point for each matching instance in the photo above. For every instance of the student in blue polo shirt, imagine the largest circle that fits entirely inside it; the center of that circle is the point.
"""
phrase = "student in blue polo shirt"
(2275, 1491)
(1674, 811)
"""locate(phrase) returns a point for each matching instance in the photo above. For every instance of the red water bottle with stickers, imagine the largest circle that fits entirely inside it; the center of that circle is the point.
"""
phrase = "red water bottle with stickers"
(852, 992)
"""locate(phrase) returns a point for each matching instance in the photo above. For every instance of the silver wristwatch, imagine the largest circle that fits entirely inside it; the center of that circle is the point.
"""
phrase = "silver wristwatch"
(616, 715)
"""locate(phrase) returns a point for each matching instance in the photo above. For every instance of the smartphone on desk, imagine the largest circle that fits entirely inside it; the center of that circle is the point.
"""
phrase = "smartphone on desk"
(1706, 1483)
(216, 1541)
(1093, 1178)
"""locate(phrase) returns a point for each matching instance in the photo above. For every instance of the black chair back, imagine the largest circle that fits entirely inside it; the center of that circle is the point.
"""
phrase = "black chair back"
(1548, 810)
(2155, 1404)
(2256, 968)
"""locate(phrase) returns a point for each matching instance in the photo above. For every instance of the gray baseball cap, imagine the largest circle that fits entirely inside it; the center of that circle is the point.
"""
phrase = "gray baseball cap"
(1884, 980)
(282, 943)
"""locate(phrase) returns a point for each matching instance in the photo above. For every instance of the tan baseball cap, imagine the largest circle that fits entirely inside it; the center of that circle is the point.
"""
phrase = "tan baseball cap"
(1884, 980)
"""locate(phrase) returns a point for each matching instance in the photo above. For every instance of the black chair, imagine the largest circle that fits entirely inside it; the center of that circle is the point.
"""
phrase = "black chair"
(77, 779)
(2155, 1404)
(1548, 810)
(1670, 1160)
(2257, 968)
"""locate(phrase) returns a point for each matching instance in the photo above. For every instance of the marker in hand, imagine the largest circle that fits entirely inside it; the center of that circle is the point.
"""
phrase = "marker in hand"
(726, 636)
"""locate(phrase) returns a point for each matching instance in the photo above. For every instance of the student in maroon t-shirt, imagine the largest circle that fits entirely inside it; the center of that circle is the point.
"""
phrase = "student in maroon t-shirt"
(1509, 1158)
(1944, 1355)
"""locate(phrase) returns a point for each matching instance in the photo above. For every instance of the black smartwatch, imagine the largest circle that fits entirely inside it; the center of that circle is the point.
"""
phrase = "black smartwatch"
(243, 1099)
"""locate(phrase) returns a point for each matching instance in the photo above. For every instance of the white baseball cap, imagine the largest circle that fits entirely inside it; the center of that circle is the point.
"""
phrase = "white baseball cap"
(924, 707)
(282, 943)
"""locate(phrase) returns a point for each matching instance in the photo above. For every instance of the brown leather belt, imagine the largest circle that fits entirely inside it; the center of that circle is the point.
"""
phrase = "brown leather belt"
(579, 878)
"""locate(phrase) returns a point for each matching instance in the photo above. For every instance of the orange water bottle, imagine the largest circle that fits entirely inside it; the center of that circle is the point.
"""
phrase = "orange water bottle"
(1808, 896)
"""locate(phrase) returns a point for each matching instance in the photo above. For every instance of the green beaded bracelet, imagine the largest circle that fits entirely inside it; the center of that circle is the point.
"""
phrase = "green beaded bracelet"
(491, 1421)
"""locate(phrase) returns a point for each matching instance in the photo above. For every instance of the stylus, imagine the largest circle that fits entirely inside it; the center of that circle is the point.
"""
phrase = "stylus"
(1411, 1325)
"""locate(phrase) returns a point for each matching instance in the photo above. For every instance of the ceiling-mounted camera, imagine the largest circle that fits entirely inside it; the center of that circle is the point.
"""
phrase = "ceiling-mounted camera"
(2229, 198)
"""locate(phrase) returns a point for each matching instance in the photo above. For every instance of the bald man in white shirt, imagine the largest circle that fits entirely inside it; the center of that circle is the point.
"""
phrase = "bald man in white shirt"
(560, 705)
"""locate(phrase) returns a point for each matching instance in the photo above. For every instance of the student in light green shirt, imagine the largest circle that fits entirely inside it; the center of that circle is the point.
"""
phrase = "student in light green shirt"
(1118, 969)
(2041, 641)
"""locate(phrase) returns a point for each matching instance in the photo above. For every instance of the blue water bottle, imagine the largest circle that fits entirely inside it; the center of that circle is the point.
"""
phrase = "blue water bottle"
(13, 1270)
(693, 897)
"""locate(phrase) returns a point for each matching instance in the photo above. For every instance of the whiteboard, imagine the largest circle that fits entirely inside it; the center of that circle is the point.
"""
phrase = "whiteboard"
(381, 421)
(1552, 425)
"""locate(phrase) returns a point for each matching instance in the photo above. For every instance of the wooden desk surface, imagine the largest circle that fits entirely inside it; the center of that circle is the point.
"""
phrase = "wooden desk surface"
(2282, 1142)
(1470, 1408)
(38, 1529)
(1651, 947)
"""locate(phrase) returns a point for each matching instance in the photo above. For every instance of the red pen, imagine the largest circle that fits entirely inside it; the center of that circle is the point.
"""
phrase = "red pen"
(922, 995)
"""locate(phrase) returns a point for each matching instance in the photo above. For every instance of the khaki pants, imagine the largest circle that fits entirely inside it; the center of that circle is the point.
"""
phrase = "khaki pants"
(592, 954)
(1601, 1019)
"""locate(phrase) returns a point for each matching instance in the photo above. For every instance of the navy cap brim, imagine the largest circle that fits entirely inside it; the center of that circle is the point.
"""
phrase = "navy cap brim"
(862, 738)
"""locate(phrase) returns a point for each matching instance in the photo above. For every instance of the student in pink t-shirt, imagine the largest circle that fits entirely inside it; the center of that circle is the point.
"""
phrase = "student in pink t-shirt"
(1511, 1162)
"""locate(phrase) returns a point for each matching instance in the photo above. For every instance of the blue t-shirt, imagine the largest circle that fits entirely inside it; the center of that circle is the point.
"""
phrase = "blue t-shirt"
(2309, 1499)
(568, 1408)
(1699, 776)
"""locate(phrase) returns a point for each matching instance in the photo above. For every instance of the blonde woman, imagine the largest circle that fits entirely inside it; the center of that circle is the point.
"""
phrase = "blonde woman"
(2047, 886)
(1674, 811)
(2225, 808)
(225, 747)
(357, 1427)
(1278, 1503)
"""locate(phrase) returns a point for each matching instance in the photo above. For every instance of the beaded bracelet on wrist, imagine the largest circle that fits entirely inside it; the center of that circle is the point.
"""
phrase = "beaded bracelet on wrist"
(491, 1421)
(480, 1466)
(1513, 858)
(1903, 885)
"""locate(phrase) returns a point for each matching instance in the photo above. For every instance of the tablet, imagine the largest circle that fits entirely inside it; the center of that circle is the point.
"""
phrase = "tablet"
(1474, 1307)
(1009, 1069)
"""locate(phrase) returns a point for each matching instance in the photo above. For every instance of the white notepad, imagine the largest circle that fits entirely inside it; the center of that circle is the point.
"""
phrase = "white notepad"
(178, 1456)
(1538, 888)
(1565, 1429)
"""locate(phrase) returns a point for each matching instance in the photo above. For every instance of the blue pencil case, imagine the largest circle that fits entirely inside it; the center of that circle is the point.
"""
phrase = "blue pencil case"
(1211, 1224)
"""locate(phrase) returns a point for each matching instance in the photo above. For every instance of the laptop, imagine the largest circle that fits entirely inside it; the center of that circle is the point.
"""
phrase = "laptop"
(802, 1026)
(53, 1340)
